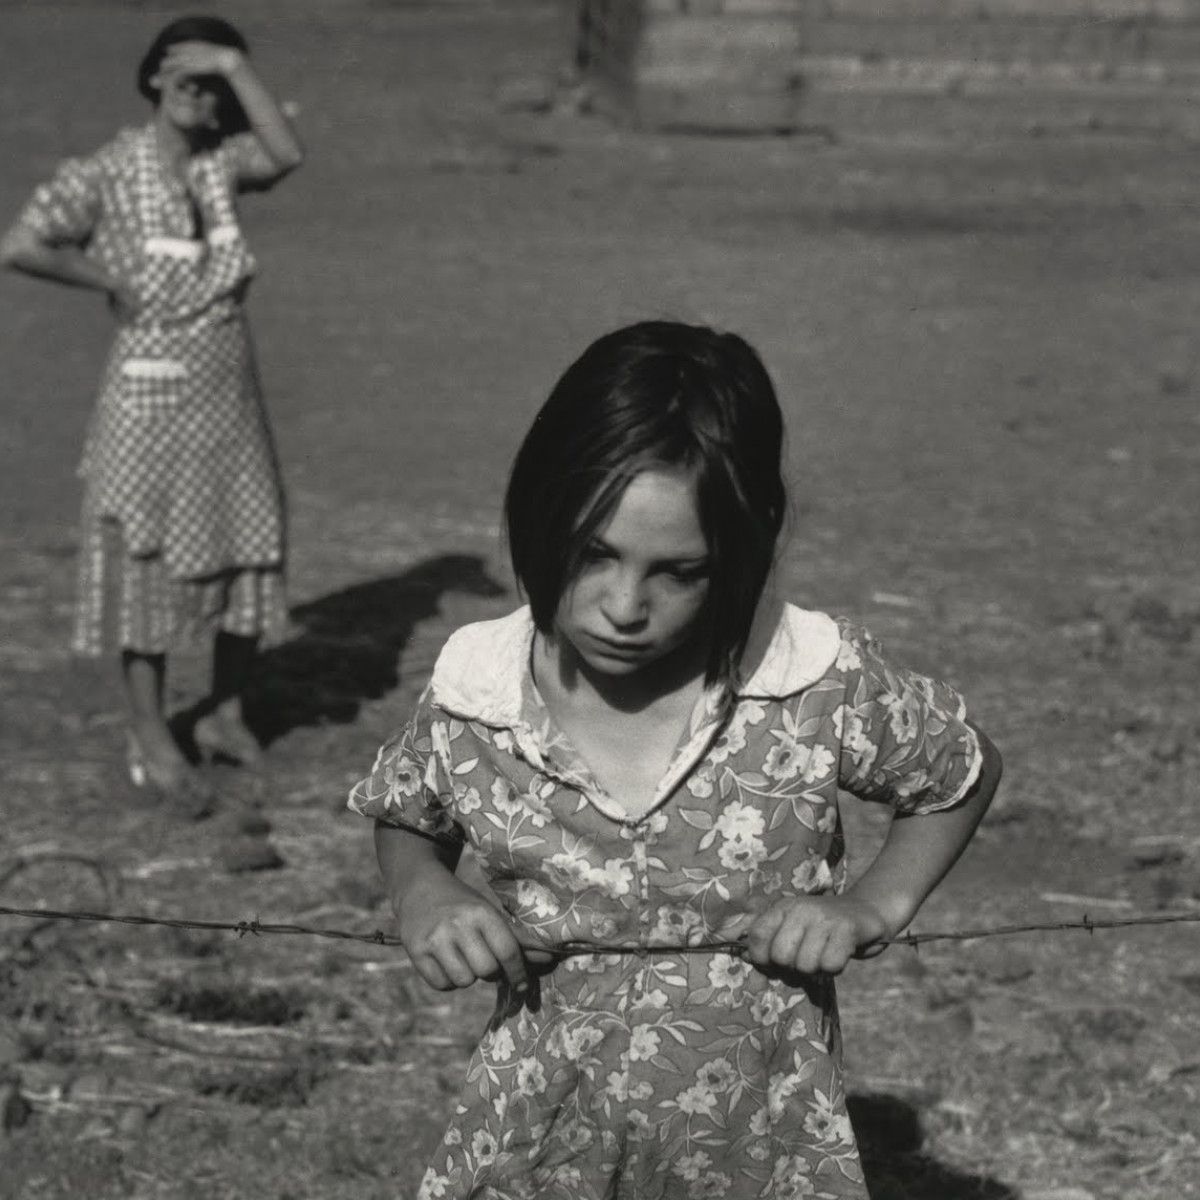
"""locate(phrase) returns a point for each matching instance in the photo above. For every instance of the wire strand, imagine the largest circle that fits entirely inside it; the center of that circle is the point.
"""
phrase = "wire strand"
(568, 949)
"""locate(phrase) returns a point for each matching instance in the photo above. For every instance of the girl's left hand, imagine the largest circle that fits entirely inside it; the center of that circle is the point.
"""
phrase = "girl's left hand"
(200, 58)
(814, 933)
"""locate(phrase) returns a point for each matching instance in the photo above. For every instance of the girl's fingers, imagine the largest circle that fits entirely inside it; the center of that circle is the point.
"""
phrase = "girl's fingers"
(477, 942)
(504, 949)
(760, 936)
(431, 972)
(807, 957)
(804, 925)
(870, 950)
(789, 936)
(452, 960)
(473, 946)
(839, 949)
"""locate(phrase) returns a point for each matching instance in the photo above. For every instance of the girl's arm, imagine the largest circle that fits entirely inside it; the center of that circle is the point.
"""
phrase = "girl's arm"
(453, 935)
(822, 933)
(274, 131)
(920, 850)
(22, 250)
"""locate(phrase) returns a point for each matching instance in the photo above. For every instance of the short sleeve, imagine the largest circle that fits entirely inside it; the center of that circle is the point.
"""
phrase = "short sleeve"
(65, 209)
(409, 784)
(905, 740)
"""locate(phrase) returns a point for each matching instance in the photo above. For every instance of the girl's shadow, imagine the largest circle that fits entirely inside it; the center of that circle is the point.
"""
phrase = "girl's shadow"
(351, 644)
(890, 1138)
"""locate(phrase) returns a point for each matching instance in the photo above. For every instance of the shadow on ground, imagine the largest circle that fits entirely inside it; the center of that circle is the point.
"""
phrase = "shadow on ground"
(351, 643)
(890, 1138)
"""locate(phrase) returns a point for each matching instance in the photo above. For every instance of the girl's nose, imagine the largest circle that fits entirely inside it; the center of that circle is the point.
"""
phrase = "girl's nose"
(624, 601)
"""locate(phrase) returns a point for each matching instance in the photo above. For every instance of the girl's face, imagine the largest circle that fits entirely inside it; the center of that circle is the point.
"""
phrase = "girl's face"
(640, 592)
(190, 102)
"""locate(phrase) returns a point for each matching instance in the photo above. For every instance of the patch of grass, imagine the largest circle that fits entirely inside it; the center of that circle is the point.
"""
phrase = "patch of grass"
(286, 1087)
(234, 1003)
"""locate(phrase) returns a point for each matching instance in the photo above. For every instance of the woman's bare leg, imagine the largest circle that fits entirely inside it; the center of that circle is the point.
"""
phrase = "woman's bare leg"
(223, 725)
(144, 676)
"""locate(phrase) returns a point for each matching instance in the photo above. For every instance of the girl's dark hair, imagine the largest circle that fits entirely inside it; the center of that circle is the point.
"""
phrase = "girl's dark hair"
(197, 29)
(655, 394)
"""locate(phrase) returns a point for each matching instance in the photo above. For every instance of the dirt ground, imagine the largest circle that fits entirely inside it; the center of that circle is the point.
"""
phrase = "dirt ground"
(984, 343)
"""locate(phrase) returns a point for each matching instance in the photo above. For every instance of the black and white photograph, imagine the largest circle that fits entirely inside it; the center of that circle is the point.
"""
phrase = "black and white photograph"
(600, 600)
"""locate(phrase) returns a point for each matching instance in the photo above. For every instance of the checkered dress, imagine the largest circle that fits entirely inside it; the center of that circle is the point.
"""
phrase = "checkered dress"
(183, 509)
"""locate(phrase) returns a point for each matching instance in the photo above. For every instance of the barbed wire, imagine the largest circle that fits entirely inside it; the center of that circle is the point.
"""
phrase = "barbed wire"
(377, 937)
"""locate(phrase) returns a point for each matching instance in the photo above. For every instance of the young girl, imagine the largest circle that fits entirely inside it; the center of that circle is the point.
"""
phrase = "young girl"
(645, 762)
(182, 512)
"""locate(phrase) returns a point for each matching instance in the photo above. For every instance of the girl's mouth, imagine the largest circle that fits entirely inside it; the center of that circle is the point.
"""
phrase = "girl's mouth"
(618, 648)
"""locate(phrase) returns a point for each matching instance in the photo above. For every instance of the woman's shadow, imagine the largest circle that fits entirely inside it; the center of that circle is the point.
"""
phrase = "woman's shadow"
(350, 645)
(889, 1136)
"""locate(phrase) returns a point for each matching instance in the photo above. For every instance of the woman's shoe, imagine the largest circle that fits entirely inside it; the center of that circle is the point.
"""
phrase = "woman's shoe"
(183, 789)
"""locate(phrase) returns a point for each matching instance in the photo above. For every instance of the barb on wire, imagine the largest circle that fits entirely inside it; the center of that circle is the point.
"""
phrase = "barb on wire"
(567, 949)
(1089, 924)
(241, 928)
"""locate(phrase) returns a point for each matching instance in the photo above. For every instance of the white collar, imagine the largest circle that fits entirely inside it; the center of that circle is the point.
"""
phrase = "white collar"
(481, 672)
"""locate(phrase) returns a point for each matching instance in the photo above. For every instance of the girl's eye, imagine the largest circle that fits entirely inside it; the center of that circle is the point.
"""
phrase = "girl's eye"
(688, 574)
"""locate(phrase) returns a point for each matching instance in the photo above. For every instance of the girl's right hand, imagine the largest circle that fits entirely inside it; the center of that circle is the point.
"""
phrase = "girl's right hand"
(455, 937)
(815, 933)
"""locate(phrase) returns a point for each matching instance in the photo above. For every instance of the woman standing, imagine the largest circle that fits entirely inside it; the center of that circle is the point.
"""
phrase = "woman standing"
(183, 510)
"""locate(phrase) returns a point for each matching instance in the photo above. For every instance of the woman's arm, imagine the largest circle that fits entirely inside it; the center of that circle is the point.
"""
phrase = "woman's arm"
(22, 250)
(453, 935)
(270, 124)
(822, 933)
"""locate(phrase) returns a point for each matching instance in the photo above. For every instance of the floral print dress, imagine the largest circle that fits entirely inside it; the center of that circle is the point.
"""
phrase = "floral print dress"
(660, 1076)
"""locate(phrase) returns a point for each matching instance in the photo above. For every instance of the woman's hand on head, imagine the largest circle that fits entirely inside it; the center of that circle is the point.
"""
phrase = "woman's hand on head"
(200, 58)
(455, 938)
(814, 934)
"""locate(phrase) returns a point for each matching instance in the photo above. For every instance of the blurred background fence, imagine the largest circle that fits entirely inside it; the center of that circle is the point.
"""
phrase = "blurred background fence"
(781, 64)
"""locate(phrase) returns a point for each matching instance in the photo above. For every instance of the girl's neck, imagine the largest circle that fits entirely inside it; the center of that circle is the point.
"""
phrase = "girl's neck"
(564, 677)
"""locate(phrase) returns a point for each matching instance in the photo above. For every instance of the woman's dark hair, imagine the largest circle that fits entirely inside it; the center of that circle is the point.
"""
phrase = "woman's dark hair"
(197, 29)
(655, 394)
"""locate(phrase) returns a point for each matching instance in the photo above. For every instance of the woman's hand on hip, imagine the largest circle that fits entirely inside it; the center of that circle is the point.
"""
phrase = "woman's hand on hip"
(814, 933)
(124, 300)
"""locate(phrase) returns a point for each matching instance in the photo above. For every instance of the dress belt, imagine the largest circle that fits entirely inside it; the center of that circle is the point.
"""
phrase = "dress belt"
(571, 949)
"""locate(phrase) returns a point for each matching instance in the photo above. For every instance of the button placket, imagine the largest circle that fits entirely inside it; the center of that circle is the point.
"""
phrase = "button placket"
(641, 872)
